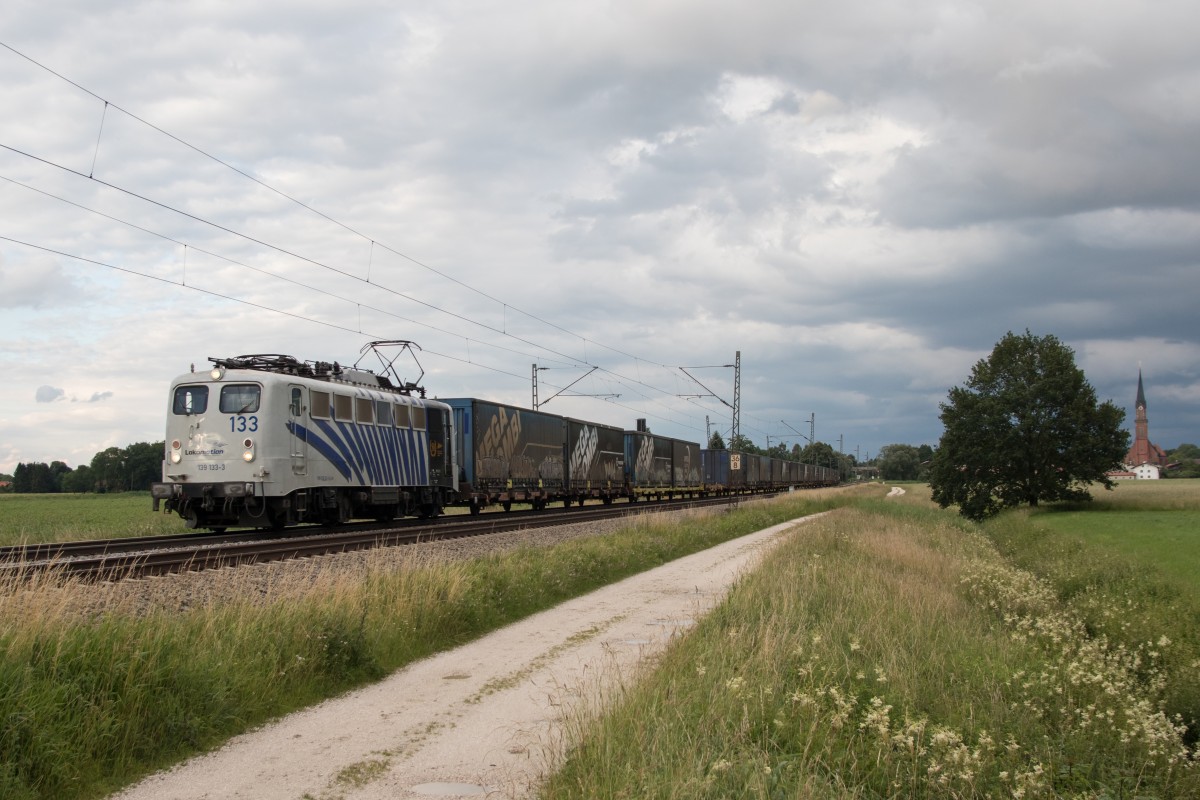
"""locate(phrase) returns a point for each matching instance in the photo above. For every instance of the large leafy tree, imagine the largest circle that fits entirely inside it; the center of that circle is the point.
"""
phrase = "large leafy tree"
(1024, 429)
(899, 462)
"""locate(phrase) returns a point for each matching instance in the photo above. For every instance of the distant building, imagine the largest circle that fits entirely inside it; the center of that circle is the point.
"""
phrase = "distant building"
(1145, 459)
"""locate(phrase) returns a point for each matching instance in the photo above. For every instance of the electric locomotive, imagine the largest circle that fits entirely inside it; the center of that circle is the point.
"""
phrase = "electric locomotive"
(267, 441)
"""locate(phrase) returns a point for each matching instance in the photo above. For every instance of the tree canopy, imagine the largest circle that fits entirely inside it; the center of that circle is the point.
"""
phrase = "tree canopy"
(116, 469)
(1025, 428)
(899, 462)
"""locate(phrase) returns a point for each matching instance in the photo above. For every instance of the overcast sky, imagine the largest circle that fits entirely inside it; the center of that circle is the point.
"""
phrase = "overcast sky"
(860, 197)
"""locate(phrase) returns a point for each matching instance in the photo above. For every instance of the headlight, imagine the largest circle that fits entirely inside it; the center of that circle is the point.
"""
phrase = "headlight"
(217, 373)
(248, 456)
(175, 457)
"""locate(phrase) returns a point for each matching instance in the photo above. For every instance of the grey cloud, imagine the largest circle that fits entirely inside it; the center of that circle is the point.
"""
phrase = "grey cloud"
(49, 394)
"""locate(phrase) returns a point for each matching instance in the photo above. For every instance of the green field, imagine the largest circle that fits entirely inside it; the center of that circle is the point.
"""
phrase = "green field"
(889, 649)
(895, 650)
(31, 518)
(1154, 523)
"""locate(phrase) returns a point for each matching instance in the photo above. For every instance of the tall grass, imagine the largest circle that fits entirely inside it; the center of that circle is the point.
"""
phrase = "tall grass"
(888, 651)
(92, 700)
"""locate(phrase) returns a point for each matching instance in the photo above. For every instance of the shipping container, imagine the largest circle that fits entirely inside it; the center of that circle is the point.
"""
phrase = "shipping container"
(508, 453)
(723, 470)
(648, 462)
(660, 465)
(595, 461)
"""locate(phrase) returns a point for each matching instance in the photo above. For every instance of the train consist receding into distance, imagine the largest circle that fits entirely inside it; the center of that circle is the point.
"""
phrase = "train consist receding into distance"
(267, 441)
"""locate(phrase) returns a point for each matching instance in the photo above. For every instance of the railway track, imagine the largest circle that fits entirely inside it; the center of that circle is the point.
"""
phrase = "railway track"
(117, 559)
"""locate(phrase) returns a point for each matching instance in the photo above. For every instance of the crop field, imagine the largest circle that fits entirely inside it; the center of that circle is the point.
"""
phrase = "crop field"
(32, 518)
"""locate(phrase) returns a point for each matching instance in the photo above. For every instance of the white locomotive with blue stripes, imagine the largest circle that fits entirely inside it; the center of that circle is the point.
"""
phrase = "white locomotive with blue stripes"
(269, 441)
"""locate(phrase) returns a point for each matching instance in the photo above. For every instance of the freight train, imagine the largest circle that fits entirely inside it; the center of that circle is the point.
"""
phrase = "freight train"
(268, 441)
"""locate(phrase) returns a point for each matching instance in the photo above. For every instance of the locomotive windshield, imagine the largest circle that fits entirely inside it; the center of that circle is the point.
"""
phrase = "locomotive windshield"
(240, 398)
(190, 400)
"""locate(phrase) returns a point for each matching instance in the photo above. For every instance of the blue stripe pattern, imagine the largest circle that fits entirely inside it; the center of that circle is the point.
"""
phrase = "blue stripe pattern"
(376, 455)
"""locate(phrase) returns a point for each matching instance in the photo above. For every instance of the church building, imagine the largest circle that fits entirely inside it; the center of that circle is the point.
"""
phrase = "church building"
(1145, 458)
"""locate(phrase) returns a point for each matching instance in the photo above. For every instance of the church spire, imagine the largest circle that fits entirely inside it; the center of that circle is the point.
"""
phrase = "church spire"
(1141, 395)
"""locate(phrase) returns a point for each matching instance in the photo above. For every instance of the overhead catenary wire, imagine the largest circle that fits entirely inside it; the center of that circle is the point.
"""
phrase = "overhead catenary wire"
(341, 272)
(108, 103)
(263, 307)
(623, 380)
(259, 270)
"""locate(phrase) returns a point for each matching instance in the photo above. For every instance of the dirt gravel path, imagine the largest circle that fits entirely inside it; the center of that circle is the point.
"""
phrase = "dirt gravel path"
(484, 720)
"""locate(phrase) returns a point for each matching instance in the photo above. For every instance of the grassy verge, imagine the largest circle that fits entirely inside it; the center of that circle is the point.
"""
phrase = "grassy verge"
(90, 703)
(891, 650)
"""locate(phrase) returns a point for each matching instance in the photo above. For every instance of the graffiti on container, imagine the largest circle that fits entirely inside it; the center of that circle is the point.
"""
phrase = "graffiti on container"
(498, 443)
(645, 458)
(584, 453)
(687, 472)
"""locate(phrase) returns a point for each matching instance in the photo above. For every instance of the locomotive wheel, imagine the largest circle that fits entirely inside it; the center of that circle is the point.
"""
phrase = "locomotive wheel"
(340, 513)
(506, 505)
(475, 509)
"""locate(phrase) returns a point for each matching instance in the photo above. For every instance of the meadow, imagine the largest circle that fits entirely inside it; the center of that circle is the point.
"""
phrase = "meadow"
(893, 650)
(890, 649)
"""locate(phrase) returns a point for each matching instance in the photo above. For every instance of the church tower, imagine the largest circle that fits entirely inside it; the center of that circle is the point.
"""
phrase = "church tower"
(1143, 450)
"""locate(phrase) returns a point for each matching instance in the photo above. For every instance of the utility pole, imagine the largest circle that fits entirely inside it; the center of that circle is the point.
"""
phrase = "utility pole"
(707, 432)
(737, 399)
(535, 400)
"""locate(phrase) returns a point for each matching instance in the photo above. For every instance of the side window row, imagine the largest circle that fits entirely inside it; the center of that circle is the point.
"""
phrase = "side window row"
(244, 398)
(343, 408)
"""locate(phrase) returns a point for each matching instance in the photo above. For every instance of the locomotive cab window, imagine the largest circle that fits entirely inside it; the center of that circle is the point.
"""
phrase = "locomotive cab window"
(190, 400)
(240, 398)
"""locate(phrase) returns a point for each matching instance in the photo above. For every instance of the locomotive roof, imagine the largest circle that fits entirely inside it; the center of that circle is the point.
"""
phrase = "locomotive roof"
(318, 370)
